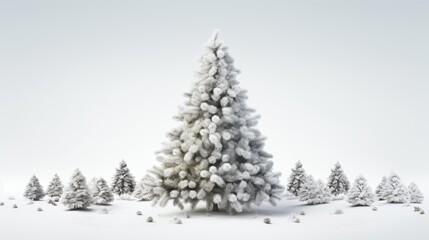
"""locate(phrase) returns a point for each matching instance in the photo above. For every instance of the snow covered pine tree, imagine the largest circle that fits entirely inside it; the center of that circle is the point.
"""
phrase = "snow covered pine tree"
(361, 193)
(296, 179)
(337, 181)
(34, 191)
(416, 196)
(395, 191)
(101, 192)
(55, 188)
(123, 182)
(379, 191)
(216, 155)
(77, 195)
(314, 192)
(138, 191)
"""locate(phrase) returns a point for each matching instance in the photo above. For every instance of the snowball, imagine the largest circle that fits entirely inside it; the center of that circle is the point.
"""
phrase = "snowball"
(188, 156)
(174, 193)
(217, 91)
(39, 209)
(192, 194)
(267, 220)
(183, 184)
(215, 119)
(232, 198)
(193, 148)
(213, 169)
(217, 198)
(338, 212)
(226, 167)
(139, 213)
(213, 139)
(226, 135)
(205, 174)
(192, 184)
(183, 174)
(212, 109)
(217, 179)
(149, 219)
(176, 221)
(224, 101)
(226, 110)
(204, 106)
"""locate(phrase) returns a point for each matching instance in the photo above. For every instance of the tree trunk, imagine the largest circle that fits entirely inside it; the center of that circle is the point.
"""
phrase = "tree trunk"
(215, 208)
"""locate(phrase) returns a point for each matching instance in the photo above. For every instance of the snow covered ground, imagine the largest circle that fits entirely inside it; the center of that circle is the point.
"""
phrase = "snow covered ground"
(391, 221)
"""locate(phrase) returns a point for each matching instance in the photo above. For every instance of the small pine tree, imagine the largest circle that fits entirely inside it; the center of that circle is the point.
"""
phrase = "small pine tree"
(361, 193)
(123, 182)
(101, 192)
(314, 192)
(379, 191)
(34, 191)
(416, 196)
(395, 191)
(296, 179)
(139, 192)
(337, 181)
(55, 187)
(77, 195)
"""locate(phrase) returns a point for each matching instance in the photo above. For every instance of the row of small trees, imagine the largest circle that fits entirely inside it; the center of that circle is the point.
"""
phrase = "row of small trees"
(78, 194)
(360, 193)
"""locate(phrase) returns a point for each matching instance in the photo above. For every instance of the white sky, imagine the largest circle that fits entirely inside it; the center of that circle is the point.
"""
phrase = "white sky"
(88, 83)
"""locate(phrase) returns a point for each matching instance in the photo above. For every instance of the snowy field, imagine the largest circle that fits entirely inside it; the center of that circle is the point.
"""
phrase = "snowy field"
(391, 221)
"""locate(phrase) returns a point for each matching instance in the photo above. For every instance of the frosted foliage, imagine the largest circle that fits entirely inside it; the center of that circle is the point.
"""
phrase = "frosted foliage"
(314, 192)
(77, 195)
(123, 182)
(379, 191)
(55, 187)
(361, 193)
(216, 155)
(33, 190)
(138, 191)
(416, 196)
(337, 181)
(101, 192)
(296, 179)
(395, 191)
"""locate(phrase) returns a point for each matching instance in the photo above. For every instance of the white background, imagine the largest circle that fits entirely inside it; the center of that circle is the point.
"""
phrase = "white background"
(88, 83)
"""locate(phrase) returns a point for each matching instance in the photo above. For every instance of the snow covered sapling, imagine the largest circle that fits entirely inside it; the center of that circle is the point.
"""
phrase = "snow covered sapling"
(101, 192)
(314, 192)
(55, 188)
(34, 191)
(123, 182)
(77, 195)
(361, 193)
(138, 191)
(296, 179)
(395, 191)
(379, 191)
(416, 196)
(216, 155)
(337, 181)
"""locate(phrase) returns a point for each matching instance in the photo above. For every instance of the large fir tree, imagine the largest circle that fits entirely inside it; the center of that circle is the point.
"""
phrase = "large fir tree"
(33, 190)
(216, 155)
(77, 195)
(123, 181)
(296, 179)
(55, 188)
(337, 181)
